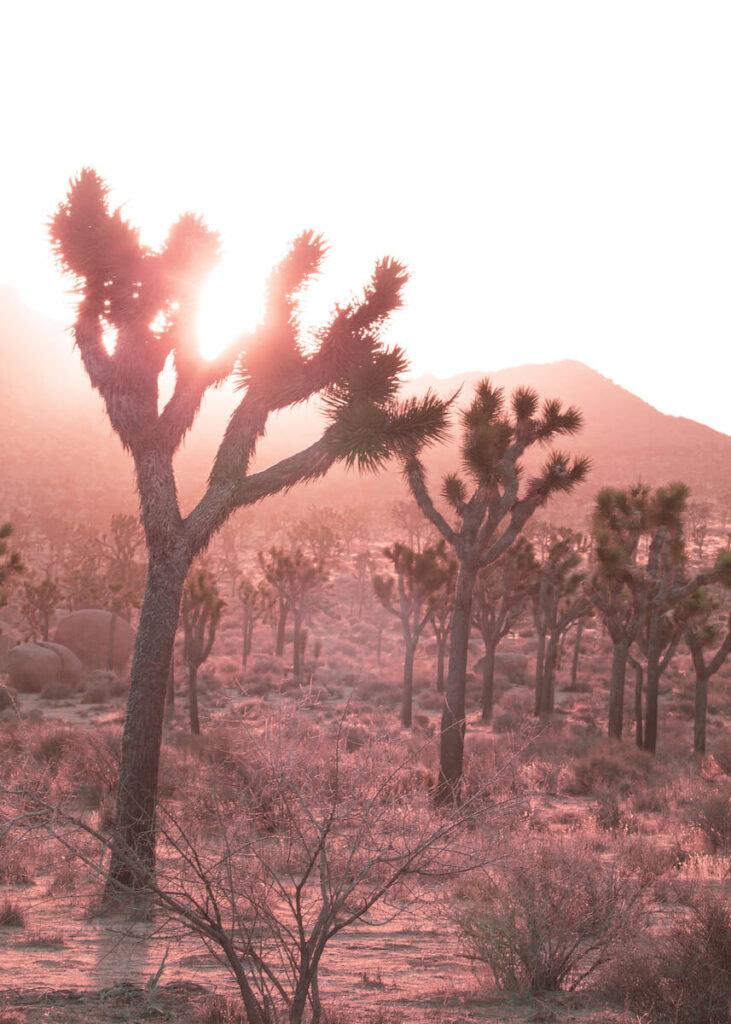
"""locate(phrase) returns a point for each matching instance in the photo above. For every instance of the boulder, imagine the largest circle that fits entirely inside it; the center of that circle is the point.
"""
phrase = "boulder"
(86, 632)
(32, 667)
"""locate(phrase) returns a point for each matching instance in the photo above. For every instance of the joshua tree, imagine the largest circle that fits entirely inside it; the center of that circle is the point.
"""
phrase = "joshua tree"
(697, 521)
(303, 583)
(660, 589)
(419, 576)
(702, 632)
(200, 612)
(137, 310)
(620, 520)
(362, 569)
(320, 535)
(124, 574)
(274, 568)
(256, 599)
(11, 564)
(83, 583)
(490, 519)
(557, 605)
(500, 597)
(38, 605)
(443, 610)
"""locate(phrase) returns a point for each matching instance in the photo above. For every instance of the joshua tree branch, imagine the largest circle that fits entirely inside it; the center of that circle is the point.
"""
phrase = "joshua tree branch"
(417, 485)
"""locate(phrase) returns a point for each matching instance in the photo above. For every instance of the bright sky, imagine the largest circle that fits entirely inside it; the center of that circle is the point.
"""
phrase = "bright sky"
(557, 175)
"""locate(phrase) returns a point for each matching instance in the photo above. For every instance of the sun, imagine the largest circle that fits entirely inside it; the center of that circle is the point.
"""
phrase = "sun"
(231, 304)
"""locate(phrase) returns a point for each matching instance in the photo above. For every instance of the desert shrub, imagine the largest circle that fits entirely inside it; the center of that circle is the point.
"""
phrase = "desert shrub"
(11, 915)
(550, 916)
(712, 815)
(8, 697)
(218, 1009)
(646, 860)
(684, 977)
(56, 691)
(16, 861)
(96, 692)
(722, 752)
(506, 721)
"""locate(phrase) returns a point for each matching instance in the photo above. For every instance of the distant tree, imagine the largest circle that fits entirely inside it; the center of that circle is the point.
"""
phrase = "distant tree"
(274, 567)
(489, 520)
(362, 571)
(200, 613)
(501, 594)
(409, 595)
(320, 535)
(303, 584)
(11, 564)
(124, 575)
(661, 588)
(703, 631)
(256, 599)
(698, 522)
(39, 602)
(557, 605)
(83, 581)
(443, 610)
(621, 518)
(408, 520)
(144, 302)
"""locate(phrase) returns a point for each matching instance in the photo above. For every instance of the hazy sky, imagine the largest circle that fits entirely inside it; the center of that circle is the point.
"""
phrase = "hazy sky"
(557, 175)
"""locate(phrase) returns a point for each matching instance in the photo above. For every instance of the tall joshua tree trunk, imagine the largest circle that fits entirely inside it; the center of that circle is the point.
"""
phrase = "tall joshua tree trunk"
(453, 715)
(616, 688)
(407, 699)
(133, 851)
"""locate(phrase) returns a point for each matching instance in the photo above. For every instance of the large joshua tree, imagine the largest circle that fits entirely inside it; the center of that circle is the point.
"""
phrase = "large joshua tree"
(137, 311)
(489, 519)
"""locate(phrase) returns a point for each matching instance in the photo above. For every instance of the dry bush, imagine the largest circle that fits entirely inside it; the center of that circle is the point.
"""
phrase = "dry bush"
(11, 915)
(722, 752)
(683, 976)
(8, 697)
(549, 916)
(97, 692)
(218, 1009)
(711, 814)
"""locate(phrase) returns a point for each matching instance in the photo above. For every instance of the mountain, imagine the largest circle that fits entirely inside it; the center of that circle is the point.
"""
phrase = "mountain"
(61, 454)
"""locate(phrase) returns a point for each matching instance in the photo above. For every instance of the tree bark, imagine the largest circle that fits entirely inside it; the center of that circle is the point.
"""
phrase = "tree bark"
(638, 701)
(133, 847)
(195, 725)
(281, 628)
(577, 654)
(701, 712)
(653, 683)
(451, 755)
(549, 677)
(616, 688)
(407, 700)
(488, 680)
(170, 694)
(540, 660)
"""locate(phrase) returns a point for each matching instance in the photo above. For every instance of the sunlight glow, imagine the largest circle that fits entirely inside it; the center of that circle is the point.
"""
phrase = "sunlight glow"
(231, 304)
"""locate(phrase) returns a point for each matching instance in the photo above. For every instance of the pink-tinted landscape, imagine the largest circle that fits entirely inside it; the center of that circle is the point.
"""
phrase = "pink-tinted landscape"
(381, 700)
